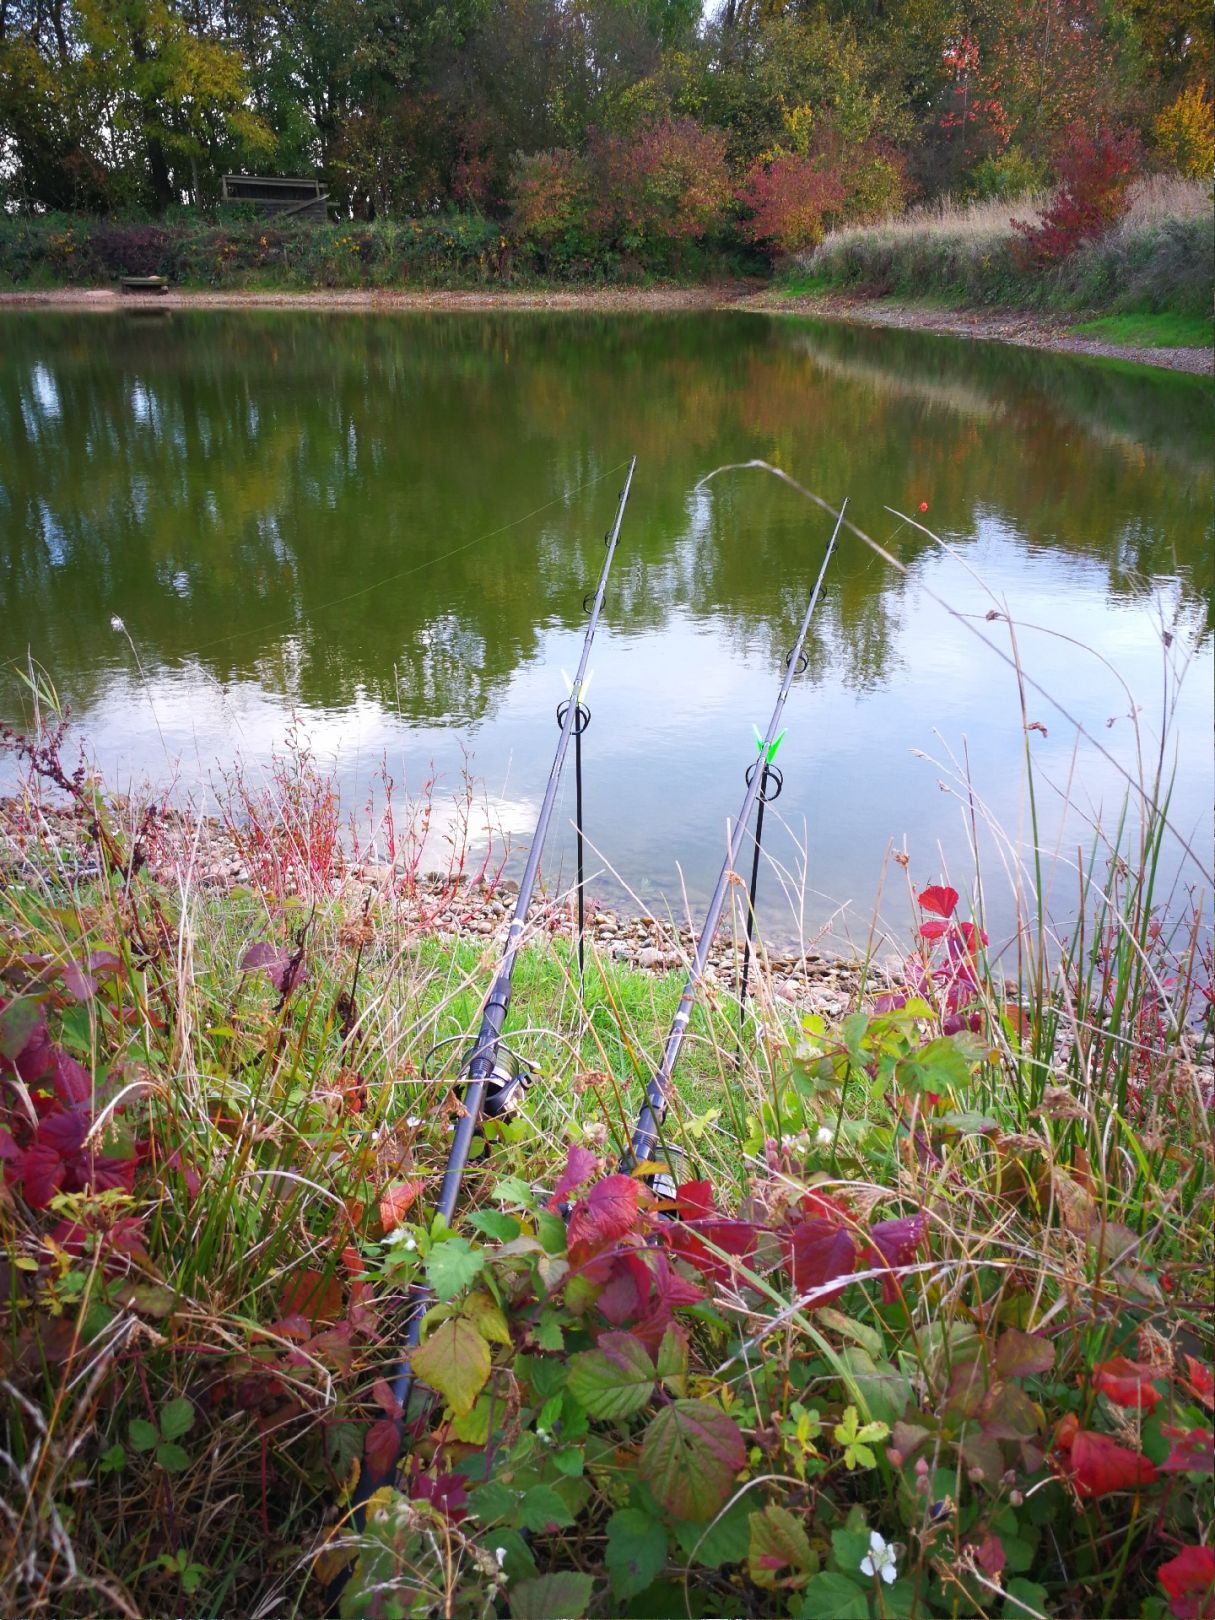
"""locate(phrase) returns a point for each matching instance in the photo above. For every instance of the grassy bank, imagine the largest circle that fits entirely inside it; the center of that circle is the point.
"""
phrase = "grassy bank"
(930, 1335)
(1157, 261)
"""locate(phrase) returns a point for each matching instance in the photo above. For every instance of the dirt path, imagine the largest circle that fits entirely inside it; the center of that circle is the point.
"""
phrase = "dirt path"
(1005, 327)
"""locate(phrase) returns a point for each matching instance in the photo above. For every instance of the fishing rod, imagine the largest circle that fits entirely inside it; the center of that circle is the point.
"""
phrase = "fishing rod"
(645, 1139)
(493, 1087)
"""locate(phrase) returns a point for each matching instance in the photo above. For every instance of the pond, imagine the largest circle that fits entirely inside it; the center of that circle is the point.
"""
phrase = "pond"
(384, 526)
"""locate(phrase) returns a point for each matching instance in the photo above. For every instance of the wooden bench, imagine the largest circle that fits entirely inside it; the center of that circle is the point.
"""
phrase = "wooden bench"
(143, 284)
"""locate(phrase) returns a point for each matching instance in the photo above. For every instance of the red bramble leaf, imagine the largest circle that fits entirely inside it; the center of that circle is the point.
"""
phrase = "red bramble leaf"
(1189, 1579)
(580, 1165)
(1201, 1381)
(605, 1215)
(381, 1447)
(896, 1243)
(821, 1252)
(1193, 1451)
(940, 900)
(1100, 1465)
(1127, 1383)
(700, 1225)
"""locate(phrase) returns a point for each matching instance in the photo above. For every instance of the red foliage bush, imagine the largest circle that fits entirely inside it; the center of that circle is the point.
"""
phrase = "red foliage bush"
(665, 184)
(1095, 174)
(787, 199)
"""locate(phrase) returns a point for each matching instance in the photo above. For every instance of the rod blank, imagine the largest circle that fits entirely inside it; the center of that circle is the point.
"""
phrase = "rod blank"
(645, 1137)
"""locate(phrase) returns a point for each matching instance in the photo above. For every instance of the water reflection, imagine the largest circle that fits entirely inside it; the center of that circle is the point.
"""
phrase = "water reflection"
(327, 514)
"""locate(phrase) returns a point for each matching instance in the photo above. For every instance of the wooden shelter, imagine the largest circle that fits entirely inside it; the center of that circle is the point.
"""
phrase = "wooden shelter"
(276, 195)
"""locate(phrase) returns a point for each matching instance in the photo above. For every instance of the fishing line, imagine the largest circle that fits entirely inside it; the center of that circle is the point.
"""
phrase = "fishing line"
(405, 573)
(955, 613)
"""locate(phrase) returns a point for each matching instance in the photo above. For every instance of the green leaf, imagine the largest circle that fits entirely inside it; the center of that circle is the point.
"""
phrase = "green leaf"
(540, 1507)
(849, 1547)
(518, 1564)
(942, 1064)
(1023, 1598)
(171, 1457)
(548, 1332)
(113, 1458)
(967, 1121)
(901, 1601)
(511, 1190)
(833, 1597)
(176, 1418)
(725, 1542)
(615, 1379)
(455, 1361)
(636, 1551)
(778, 1544)
(491, 1502)
(859, 1332)
(672, 1363)
(565, 1596)
(496, 1223)
(143, 1435)
(689, 1456)
(550, 1229)
(473, 1427)
(17, 1023)
(343, 1447)
(452, 1265)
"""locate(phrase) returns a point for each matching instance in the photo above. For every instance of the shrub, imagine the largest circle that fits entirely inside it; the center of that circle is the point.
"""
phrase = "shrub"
(1011, 175)
(1185, 134)
(662, 187)
(550, 202)
(787, 198)
(1095, 174)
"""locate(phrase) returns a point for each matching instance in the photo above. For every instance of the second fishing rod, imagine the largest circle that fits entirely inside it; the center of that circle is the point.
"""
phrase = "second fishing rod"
(645, 1144)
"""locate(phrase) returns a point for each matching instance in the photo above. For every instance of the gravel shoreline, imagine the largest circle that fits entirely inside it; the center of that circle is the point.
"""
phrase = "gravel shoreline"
(47, 846)
(992, 326)
(1008, 326)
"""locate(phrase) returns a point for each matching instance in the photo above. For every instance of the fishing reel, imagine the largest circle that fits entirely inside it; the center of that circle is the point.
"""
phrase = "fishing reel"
(507, 1085)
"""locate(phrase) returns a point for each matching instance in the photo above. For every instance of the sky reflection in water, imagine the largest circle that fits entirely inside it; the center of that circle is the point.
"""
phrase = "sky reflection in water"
(225, 483)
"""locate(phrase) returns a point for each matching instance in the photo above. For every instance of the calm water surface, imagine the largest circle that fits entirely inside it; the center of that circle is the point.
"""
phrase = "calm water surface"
(385, 526)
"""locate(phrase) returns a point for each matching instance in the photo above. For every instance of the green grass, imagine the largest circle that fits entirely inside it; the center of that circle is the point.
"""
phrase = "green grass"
(1166, 330)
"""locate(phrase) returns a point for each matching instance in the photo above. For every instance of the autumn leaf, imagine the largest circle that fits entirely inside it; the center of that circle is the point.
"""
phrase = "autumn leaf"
(939, 899)
(1100, 1465)
(689, 1456)
(396, 1201)
(605, 1214)
(699, 1226)
(1193, 1451)
(455, 1361)
(1200, 1382)
(580, 1165)
(381, 1447)
(821, 1252)
(1127, 1383)
(1189, 1579)
(314, 1295)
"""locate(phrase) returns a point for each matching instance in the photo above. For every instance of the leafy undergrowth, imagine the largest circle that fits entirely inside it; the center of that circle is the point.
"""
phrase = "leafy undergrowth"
(924, 1330)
